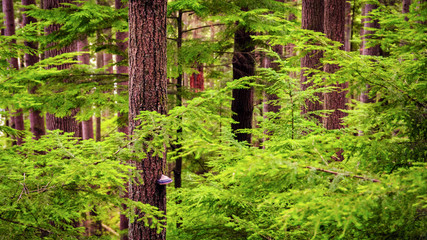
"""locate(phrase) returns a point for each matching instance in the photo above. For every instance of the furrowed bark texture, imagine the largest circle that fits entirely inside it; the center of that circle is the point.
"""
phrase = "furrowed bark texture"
(122, 46)
(36, 118)
(18, 118)
(334, 30)
(68, 123)
(147, 92)
(243, 66)
(312, 19)
(374, 50)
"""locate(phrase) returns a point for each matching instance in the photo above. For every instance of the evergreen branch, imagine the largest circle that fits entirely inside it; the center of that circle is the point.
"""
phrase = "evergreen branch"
(109, 229)
(26, 225)
(344, 174)
(213, 25)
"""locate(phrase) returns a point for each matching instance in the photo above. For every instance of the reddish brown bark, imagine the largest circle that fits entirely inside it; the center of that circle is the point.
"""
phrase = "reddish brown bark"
(312, 19)
(334, 26)
(122, 45)
(87, 125)
(197, 80)
(36, 118)
(147, 92)
(373, 50)
(348, 23)
(243, 66)
(17, 118)
(68, 123)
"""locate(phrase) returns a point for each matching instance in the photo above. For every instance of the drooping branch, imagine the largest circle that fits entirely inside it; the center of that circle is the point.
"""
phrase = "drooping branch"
(343, 174)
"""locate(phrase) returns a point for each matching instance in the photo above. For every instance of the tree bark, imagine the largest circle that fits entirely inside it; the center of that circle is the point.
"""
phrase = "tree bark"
(36, 118)
(122, 46)
(372, 51)
(87, 125)
(17, 118)
(405, 6)
(312, 19)
(68, 123)
(334, 26)
(147, 92)
(243, 66)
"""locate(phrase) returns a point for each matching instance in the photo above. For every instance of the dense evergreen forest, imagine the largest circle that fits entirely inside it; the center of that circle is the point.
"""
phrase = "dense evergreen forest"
(213, 119)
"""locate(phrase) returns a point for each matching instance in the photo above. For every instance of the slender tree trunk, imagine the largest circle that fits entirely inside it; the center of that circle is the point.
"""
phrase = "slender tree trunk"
(99, 64)
(36, 118)
(179, 86)
(334, 26)
(122, 46)
(312, 19)
(243, 66)
(348, 26)
(197, 80)
(68, 123)
(374, 50)
(87, 125)
(405, 6)
(147, 92)
(18, 118)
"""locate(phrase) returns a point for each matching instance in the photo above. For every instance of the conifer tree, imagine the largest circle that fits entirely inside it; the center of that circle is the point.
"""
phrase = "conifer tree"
(243, 66)
(147, 92)
(18, 118)
(334, 26)
(67, 123)
(36, 118)
(312, 19)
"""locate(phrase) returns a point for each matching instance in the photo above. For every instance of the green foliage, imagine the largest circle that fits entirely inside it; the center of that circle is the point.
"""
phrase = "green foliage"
(48, 186)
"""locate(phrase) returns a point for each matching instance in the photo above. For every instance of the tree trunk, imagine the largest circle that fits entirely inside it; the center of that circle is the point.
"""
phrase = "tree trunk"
(122, 46)
(374, 50)
(36, 118)
(312, 19)
(147, 92)
(243, 66)
(334, 26)
(18, 118)
(68, 123)
(348, 26)
(197, 80)
(405, 6)
(87, 125)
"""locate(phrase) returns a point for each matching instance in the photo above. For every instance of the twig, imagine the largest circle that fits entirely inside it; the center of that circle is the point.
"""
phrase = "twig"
(213, 25)
(344, 174)
(110, 230)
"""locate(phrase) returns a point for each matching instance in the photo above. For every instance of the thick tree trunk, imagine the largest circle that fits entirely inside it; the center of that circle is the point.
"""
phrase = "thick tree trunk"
(7, 7)
(147, 92)
(312, 19)
(334, 26)
(36, 118)
(374, 50)
(243, 66)
(68, 123)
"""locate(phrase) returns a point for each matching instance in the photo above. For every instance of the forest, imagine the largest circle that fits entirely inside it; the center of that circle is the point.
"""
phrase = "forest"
(213, 119)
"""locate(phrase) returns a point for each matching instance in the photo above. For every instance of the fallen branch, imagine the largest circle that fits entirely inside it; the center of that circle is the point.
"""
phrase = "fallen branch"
(347, 175)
